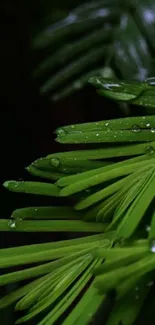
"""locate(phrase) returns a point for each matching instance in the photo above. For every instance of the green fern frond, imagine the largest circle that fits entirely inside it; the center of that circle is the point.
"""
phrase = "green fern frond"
(111, 194)
(118, 35)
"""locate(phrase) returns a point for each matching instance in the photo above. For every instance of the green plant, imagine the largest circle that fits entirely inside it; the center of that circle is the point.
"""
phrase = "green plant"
(111, 191)
(105, 38)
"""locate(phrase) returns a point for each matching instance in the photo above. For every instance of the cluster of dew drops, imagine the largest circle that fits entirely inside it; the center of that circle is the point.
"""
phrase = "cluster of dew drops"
(136, 128)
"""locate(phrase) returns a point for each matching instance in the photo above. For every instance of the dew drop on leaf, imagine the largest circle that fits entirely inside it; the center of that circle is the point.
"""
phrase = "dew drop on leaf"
(148, 228)
(135, 128)
(111, 86)
(12, 224)
(148, 124)
(152, 130)
(55, 162)
(61, 132)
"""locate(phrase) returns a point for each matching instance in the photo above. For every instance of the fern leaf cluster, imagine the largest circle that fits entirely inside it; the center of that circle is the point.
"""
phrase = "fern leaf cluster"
(111, 190)
(104, 38)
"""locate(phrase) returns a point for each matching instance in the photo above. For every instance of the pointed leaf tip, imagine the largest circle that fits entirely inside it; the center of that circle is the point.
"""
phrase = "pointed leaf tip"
(12, 183)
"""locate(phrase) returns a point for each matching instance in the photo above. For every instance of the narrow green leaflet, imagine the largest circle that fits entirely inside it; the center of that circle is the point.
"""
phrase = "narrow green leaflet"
(32, 188)
(53, 176)
(68, 166)
(51, 212)
(136, 93)
(125, 123)
(109, 136)
(51, 226)
(70, 157)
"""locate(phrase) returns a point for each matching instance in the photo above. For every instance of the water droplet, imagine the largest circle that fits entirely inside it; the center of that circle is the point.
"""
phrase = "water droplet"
(72, 126)
(148, 228)
(152, 245)
(35, 209)
(152, 130)
(150, 81)
(148, 124)
(12, 224)
(97, 134)
(106, 124)
(61, 132)
(114, 135)
(55, 162)
(111, 86)
(149, 150)
(135, 128)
